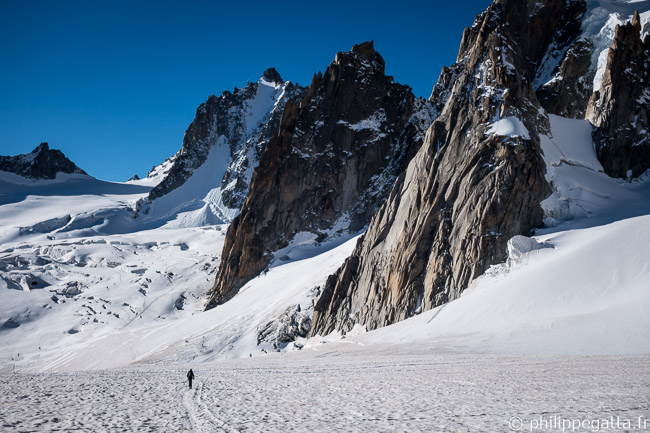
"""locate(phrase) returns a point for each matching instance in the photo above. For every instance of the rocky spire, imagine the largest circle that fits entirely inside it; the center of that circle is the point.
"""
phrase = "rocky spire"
(467, 191)
(619, 109)
(329, 168)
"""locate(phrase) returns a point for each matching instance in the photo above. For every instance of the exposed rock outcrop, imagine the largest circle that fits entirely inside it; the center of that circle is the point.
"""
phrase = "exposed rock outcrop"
(41, 163)
(477, 180)
(331, 166)
(567, 95)
(619, 110)
(580, 77)
(563, 74)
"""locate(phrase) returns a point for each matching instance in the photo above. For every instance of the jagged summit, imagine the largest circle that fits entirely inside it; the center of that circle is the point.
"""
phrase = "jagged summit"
(619, 108)
(206, 181)
(41, 163)
(365, 49)
(361, 52)
(272, 76)
(330, 167)
(43, 147)
(480, 177)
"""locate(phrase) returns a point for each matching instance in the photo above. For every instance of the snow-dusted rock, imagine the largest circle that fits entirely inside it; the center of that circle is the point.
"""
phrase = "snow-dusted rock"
(619, 108)
(41, 163)
(331, 166)
(206, 181)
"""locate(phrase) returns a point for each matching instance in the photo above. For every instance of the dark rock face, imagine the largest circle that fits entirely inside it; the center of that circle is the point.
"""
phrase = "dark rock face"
(41, 163)
(569, 96)
(244, 120)
(469, 188)
(619, 110)
(568, 92)
(271, 75)
(330, 167)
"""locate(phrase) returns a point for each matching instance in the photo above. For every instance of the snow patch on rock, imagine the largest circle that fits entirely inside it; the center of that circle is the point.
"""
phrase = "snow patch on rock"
(509, 126)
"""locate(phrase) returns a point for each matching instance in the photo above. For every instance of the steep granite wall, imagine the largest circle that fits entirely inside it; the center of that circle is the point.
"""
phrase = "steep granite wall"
(476, 181)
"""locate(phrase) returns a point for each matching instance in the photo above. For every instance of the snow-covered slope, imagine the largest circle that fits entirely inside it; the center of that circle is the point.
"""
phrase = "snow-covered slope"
(198, 201)
(206, 181)
(74, 262)
(129, 313)
(64, 207)
(583, 195)
(84, 286)
(586, 293)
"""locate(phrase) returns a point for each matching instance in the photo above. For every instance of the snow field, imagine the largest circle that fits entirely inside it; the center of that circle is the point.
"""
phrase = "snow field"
(94, 287)
(588, 294)
(227, 331)
(341, 387)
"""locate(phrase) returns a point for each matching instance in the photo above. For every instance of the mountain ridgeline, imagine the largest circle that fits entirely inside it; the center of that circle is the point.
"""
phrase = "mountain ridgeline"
(438, 185)
(439, 207)
(472, 186)
(353, 204)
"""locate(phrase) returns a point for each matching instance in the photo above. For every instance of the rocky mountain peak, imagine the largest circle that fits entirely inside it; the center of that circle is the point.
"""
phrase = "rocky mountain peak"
(41, 163)
(364, 54)
(328, 169)
(239, 123)
(206, 181)
(352, 83)
(479, 177)
(272, 76)
(471, 186)
(365, 49)
(43, 147)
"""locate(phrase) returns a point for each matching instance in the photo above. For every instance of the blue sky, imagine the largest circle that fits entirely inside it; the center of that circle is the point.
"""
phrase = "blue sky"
(115, 84)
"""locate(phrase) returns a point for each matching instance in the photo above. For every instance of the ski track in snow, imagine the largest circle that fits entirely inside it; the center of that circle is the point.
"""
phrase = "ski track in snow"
(202, 417)
(343, 388)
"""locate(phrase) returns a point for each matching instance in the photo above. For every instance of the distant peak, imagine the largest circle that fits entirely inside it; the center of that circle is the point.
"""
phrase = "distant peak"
(43, 147)
(272, 76)
(41, 163)
(363, 51)
(366, 48)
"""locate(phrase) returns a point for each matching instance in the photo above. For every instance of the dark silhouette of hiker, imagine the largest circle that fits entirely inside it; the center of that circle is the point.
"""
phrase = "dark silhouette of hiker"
(190, 376)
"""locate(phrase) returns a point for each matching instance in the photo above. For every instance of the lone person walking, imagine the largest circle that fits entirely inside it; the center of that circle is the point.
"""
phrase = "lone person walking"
(190, 376)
